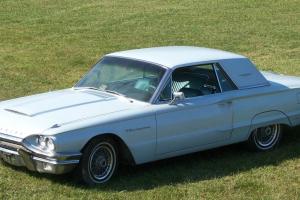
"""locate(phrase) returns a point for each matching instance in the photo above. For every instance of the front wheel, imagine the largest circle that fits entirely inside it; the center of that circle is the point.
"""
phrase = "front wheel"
(265, 138)
(99, 161)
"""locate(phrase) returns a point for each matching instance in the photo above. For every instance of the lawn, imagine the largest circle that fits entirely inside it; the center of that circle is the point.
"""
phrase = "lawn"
(49, 44)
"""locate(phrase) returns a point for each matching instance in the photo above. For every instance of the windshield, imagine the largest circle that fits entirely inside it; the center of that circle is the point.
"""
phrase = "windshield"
(134, 79)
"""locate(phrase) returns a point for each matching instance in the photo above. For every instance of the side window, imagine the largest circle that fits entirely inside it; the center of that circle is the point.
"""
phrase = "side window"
(166, 94)
(225, 82)
(195, 81)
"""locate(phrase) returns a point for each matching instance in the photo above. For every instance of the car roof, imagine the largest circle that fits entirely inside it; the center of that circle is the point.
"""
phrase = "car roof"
(239, 68)
(174, 56)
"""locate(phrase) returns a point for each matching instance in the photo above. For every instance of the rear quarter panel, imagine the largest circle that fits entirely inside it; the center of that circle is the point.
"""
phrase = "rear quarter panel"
(258, 107)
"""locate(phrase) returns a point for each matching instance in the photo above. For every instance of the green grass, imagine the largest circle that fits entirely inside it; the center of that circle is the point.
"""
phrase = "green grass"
(48, 45)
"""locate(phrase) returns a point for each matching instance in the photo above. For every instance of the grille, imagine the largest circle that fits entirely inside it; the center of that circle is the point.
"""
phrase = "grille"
(10, 146)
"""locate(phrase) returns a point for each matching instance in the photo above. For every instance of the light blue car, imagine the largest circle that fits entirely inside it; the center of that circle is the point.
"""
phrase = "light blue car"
(143, 105)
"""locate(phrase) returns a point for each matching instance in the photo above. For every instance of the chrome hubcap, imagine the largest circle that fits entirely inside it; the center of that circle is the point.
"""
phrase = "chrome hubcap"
(102, 162)
(267, 136)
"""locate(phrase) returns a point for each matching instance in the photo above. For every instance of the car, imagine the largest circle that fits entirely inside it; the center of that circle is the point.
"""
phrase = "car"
(144, 105)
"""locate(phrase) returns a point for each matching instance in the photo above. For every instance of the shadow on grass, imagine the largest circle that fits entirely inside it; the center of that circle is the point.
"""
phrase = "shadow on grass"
(195, 167)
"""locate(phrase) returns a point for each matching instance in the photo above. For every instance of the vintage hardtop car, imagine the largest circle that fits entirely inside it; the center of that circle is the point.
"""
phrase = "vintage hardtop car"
(143, 105)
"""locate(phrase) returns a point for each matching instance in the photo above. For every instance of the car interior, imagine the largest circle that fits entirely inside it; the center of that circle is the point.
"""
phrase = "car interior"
(195, 81)
(138, 88)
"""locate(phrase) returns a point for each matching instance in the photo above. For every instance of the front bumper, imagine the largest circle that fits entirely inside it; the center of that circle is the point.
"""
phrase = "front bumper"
(14, 153)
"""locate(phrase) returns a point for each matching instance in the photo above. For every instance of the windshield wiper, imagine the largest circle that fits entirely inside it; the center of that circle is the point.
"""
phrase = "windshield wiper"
(101, 90)
(92, 88)
(114, 92)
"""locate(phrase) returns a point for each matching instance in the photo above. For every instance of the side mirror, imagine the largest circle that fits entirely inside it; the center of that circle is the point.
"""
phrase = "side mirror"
(177, 96)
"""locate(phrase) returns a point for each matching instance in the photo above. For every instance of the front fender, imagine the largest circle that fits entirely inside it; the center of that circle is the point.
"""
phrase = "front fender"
(139, 135)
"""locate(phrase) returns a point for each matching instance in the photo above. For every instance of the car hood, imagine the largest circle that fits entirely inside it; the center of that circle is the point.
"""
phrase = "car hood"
(34, 114)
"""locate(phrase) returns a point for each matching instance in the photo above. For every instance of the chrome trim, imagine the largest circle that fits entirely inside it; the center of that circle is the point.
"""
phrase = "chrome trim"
(171, 70)
(8, 151)
(9, 145)
(56, 162)
(214, 68)
(152, 99)
(10, 138)
(136, 59)
(50, 155)
(18, 154)
(159, 88)
(57, 156)
(226, 75)
(162, 85)
(254, 86)
(154, 96)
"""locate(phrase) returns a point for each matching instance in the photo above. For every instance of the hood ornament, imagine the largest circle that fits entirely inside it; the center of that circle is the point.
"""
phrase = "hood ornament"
(55, 126)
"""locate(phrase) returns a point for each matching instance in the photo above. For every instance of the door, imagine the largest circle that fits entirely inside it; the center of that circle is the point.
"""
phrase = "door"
(203, 117)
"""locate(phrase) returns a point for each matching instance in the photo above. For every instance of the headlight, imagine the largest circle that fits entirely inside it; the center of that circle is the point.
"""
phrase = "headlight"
(50, 144)
(45, 143)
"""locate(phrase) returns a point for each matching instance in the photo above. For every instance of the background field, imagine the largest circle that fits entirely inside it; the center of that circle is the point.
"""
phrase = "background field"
(50, 44)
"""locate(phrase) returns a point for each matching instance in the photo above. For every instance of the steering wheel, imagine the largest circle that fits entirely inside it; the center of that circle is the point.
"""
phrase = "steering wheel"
(212, 88)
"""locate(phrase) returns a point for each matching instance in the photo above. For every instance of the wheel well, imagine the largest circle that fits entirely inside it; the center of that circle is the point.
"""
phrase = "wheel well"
(124, 152)
(283, 127)
(262, 119)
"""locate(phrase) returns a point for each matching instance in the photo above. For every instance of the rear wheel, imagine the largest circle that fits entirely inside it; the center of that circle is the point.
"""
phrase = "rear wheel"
(265, 138)
(99, 161)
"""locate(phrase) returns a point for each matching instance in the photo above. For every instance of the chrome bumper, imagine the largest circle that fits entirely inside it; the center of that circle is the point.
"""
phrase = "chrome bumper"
(15, 154)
